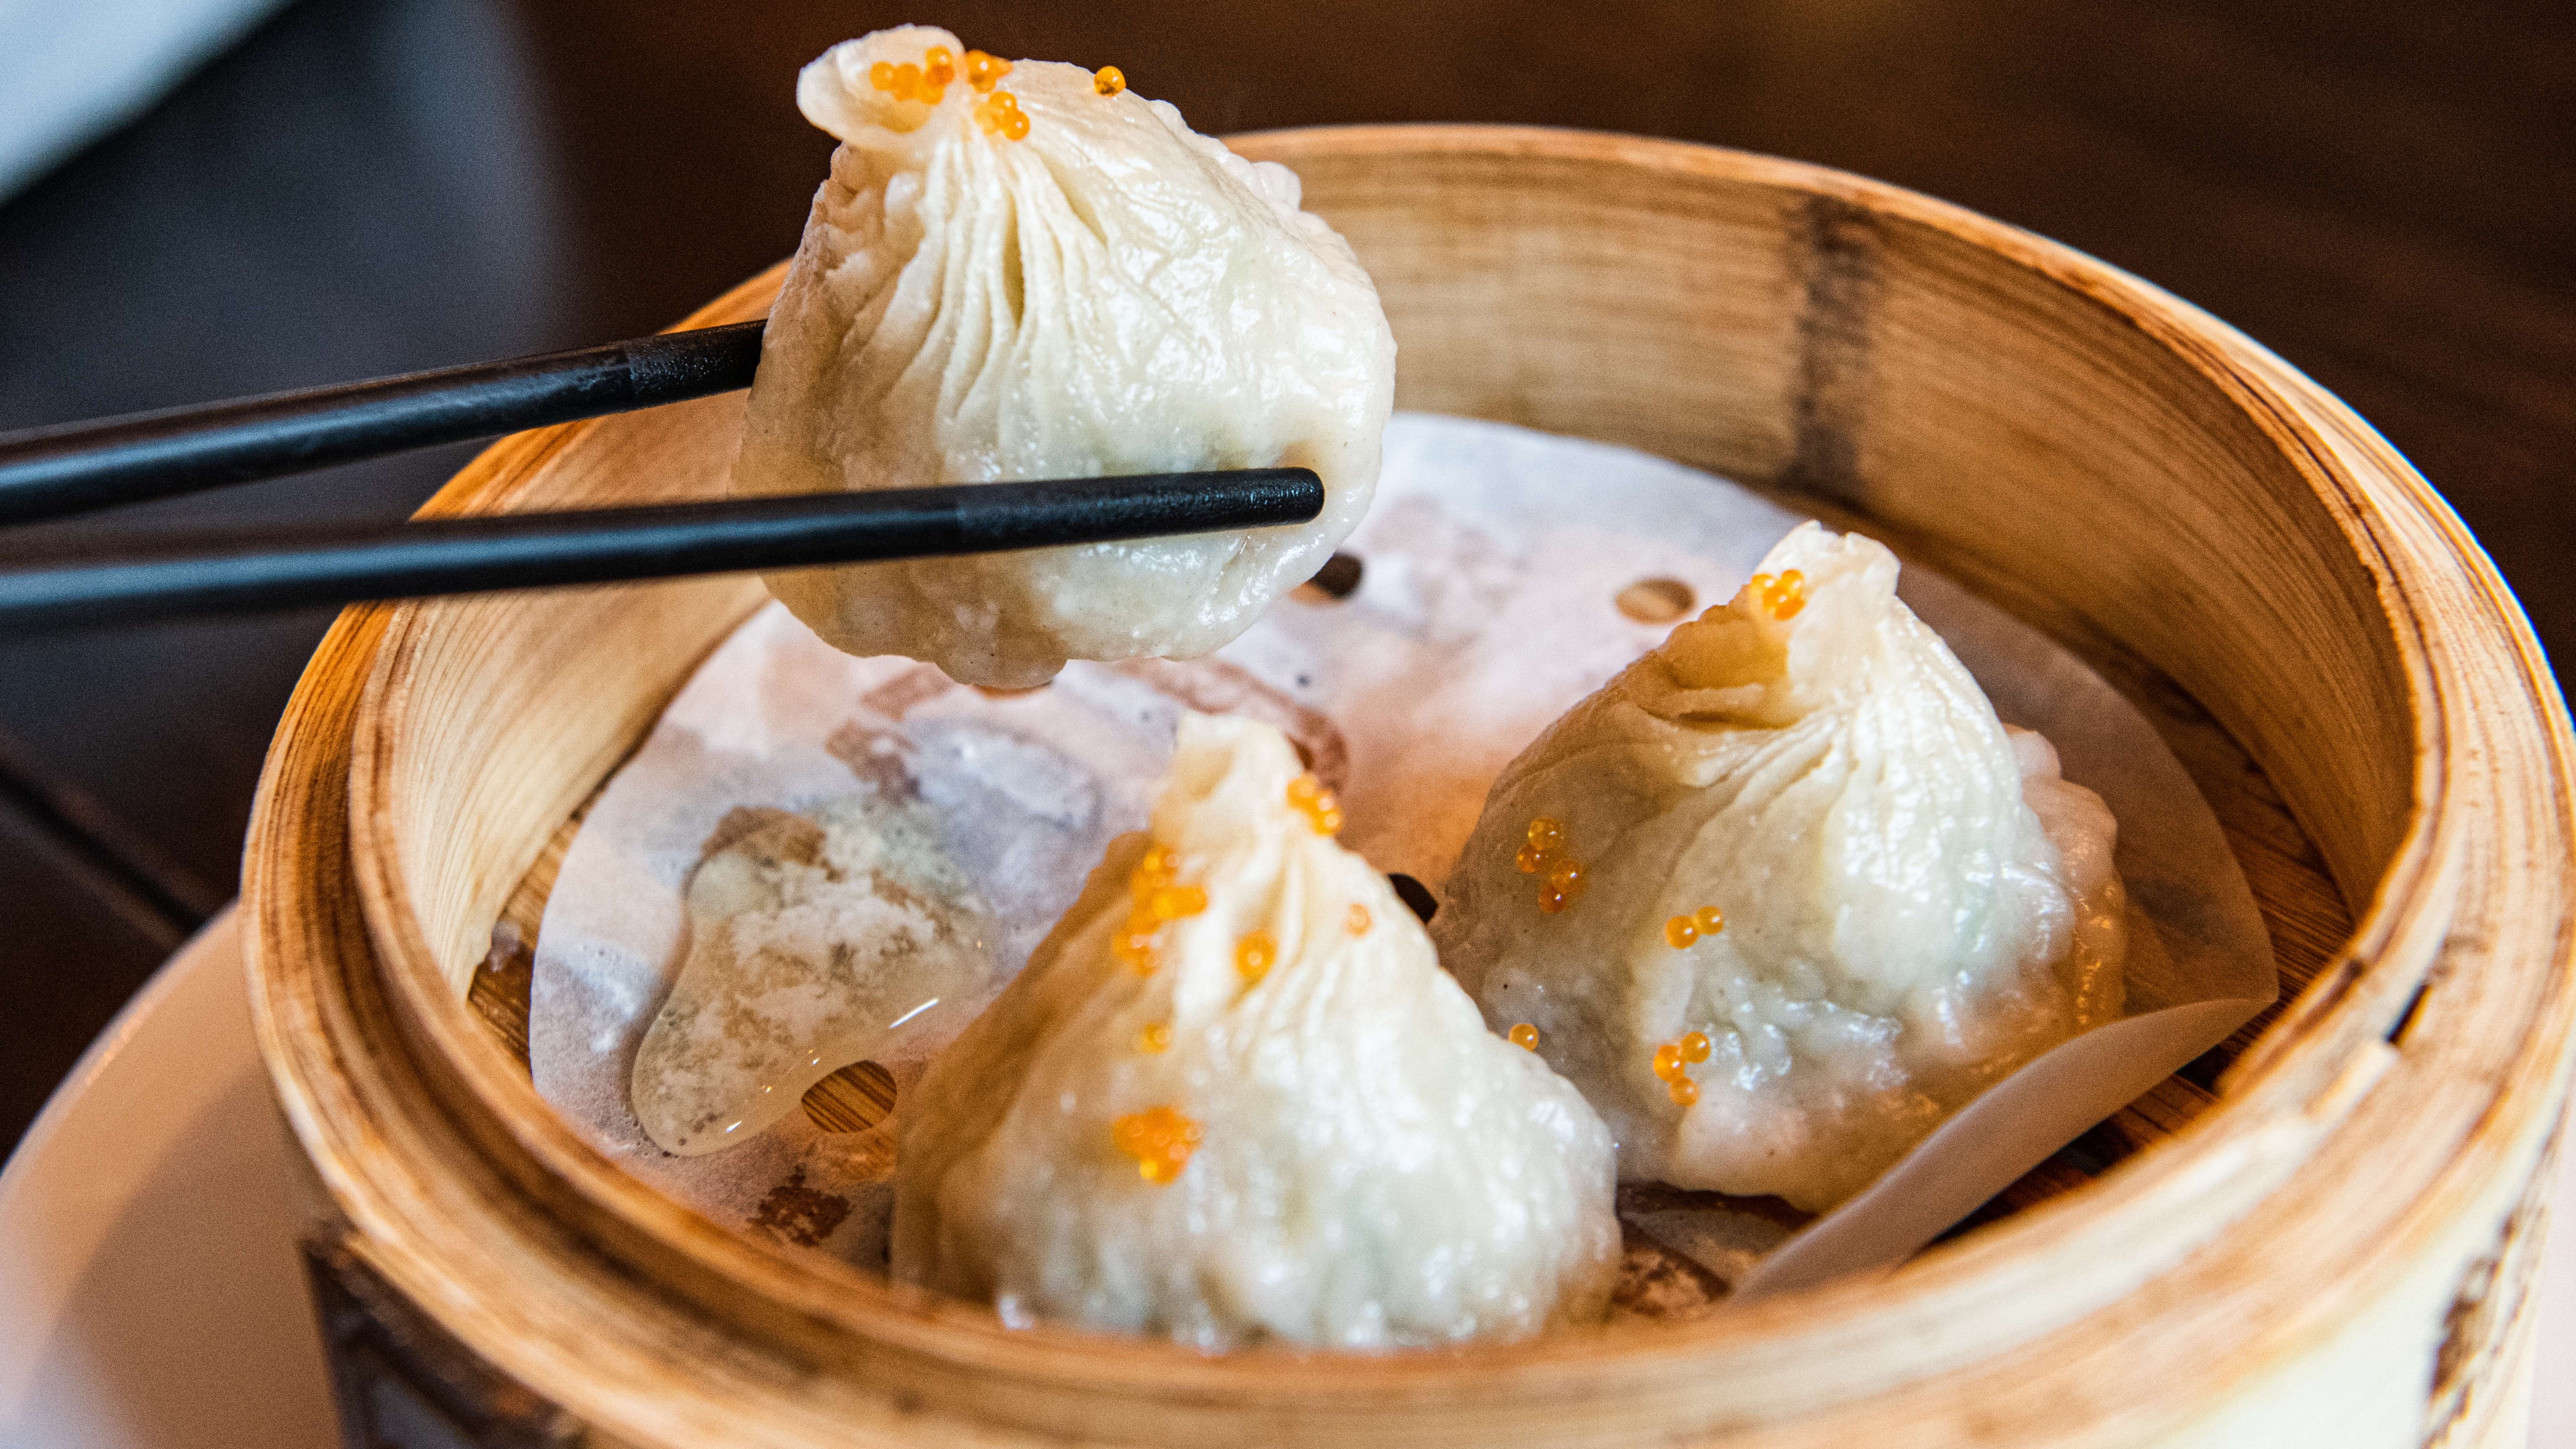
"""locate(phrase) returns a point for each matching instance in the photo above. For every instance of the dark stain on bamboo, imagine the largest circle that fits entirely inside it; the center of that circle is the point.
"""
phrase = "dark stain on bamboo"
(1839, 271)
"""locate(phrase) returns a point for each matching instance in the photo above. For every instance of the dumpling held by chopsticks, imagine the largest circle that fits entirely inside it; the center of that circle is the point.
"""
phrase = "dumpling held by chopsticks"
(1023, 270)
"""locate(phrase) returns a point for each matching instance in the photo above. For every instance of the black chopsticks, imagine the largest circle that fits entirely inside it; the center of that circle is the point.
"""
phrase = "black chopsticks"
(80, 467)
(186, 574)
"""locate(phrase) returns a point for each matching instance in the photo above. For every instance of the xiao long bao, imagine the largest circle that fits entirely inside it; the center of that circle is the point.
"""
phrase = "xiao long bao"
(1025, 270)
(1235, 1098)
(1785, 893)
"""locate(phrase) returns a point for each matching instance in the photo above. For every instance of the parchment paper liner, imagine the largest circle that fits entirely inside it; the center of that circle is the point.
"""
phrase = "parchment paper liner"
(1491, 564)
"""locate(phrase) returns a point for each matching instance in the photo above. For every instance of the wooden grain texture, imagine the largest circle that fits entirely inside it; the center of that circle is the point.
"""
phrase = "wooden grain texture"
(2127, 473)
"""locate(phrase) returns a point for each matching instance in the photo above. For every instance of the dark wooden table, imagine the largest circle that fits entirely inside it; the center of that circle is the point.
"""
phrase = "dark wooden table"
(2383, 192)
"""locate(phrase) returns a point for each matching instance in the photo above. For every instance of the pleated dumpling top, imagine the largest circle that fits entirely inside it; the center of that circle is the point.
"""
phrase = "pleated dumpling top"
(1023, 270)
(1786, 893)
(1234, 1098)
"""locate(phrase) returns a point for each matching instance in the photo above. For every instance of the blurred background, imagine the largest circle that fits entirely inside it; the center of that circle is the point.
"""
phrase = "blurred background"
(206, 198)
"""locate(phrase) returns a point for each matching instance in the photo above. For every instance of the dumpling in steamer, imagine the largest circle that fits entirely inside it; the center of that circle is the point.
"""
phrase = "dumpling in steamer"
(1234, 1098)
(1021, 273)
(1785, 893)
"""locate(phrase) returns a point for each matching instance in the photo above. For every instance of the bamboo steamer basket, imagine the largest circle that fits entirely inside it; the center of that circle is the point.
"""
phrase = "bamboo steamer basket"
(2330, 1243)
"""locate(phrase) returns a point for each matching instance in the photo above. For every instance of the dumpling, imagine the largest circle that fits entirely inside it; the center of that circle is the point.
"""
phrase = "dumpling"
(815, 940)
(1785, 893)
(1234, 1098)
(1025, 273)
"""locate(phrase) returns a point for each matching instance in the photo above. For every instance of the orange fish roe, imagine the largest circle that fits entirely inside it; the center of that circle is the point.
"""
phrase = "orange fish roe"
(1567, 876)
(909, 82)
(1359, 919)
(1681, 931)
(1254, 955)
(1109, 80)
(1525, 1036)
(1154, 1038)
(1154, 869)
(1542, 849)
(1000, 115)
(1670, 1065)
(1158, 901)
(938, 66)
(1782, 596)
(983, 72)
(1134, 948)
(1159, 1138)
(1308, 797)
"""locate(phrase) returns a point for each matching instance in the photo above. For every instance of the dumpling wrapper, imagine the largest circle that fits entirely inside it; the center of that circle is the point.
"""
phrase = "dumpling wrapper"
(814, 941)
(1112, 294)
(1373, 1167)
(1914, 902)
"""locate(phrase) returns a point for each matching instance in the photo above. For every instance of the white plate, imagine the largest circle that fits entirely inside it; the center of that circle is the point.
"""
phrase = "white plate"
(150, 1292)
(151, 1295)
